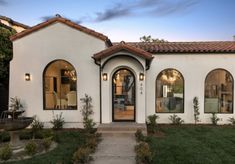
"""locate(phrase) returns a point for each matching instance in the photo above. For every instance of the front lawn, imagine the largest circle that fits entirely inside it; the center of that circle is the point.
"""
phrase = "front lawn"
(69, 143)
(194, 145)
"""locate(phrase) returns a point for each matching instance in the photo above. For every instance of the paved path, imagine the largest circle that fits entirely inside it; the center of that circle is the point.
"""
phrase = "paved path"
(115, 149)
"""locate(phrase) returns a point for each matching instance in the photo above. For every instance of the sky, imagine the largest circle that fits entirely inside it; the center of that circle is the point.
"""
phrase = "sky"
(128, 20)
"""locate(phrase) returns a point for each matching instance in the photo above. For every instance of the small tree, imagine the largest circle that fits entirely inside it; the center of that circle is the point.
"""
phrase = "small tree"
(57, 121)
(5, 50)
(196, 109)
(152, 124)
(36, 126)
(176, 120)
(87, 111)
(149, 39)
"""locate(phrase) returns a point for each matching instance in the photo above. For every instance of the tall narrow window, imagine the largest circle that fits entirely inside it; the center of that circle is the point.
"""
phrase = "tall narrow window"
(219, 92)
(170, 92)
(60, 86)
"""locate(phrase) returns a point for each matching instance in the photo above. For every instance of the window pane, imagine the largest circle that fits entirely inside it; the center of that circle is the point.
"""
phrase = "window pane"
(219, 92)
(60, 86)
(170, 92)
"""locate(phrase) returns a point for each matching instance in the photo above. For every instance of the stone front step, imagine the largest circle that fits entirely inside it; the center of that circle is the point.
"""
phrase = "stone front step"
(121, 128)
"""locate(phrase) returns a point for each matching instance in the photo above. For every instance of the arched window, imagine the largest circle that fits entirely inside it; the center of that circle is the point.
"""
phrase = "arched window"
(60, 86)
(170, 92)
(219, 92)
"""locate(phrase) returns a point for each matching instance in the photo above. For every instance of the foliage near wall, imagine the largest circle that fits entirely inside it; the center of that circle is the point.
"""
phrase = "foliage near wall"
(6, 51)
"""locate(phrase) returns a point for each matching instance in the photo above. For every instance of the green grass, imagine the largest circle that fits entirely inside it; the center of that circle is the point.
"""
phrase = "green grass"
(194, 145)
(69, 143)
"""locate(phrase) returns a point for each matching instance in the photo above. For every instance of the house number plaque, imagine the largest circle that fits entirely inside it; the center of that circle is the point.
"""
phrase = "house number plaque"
(141, 88)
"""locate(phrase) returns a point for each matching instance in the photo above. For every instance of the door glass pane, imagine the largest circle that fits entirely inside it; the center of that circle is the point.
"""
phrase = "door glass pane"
(123, 95)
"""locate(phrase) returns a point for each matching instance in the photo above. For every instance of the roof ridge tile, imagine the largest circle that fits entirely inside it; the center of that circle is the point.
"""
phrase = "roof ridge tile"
(62, 20)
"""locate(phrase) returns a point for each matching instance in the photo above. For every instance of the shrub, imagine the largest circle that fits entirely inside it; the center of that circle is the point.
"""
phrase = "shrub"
(57, 121)
(82, 155)
(143, 153)
(5, 152)
(92, 144)
(47, 143)
(4, 136)
(175, 120)
(232, 120)
(30, 148)
(36, 127)
(87, 111)
(139, 135)
(46, 133)
(214, 119)
(152, 124)
(196, 109)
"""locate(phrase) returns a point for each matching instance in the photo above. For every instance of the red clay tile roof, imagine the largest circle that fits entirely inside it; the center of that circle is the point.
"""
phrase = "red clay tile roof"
(122, 46)
(65, 21)
(186, 47)
(14, 22)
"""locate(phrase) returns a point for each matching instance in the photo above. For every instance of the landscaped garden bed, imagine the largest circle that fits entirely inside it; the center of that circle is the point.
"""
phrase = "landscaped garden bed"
(68, 142)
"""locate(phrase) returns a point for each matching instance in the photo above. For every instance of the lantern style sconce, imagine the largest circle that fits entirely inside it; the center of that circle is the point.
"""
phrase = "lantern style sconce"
(141, 77)
(105, 76)
(27, 77)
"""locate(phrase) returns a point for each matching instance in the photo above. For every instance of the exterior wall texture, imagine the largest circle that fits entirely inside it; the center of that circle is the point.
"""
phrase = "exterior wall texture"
(33, 52)
(194, 68)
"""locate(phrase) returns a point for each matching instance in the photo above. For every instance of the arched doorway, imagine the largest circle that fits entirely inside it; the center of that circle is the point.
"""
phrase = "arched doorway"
(123, 95)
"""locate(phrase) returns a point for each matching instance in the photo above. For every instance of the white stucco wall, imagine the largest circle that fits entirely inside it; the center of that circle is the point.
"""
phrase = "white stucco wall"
(110, 67)
(194, 68)
(33, 52)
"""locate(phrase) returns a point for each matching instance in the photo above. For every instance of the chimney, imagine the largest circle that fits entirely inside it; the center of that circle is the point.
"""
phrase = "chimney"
(233, 37)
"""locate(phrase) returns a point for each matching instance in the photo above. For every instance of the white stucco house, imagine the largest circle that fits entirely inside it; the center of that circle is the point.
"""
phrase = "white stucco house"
(57, 62)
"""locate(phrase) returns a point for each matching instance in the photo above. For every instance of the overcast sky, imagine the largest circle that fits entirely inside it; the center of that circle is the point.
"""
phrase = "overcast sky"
(128, 20)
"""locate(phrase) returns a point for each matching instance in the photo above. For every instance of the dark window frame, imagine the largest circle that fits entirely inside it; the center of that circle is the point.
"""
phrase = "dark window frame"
(158, 76)
(44, 92)
(221, 69)
(113, 120)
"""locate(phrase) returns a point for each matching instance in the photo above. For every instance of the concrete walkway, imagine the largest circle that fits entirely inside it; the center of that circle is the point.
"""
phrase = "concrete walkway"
(115, 149)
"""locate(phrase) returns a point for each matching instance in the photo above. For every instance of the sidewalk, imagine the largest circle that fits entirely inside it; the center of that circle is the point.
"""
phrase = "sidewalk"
(115, 149)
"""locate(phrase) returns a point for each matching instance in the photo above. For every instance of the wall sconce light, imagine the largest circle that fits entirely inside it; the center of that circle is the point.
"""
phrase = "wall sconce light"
(27, 77)
(141, 77)
(105, 76)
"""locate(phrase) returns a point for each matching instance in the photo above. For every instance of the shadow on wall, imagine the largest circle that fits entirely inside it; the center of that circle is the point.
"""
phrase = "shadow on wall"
(3, 97)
